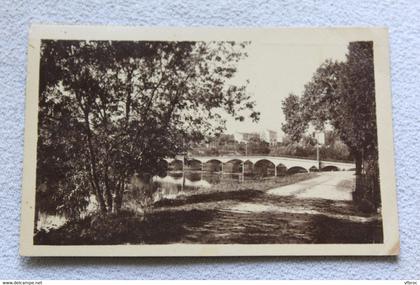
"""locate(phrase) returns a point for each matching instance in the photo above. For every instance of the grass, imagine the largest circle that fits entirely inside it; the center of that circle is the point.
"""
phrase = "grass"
(259, 184)
(205, 217)
(228, 191)
(198, 221)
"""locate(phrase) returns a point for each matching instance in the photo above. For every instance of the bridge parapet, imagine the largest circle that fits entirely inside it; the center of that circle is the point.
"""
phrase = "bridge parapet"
(275, 160)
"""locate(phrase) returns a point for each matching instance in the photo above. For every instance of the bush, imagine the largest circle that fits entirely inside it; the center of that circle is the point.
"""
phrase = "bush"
(99, 228)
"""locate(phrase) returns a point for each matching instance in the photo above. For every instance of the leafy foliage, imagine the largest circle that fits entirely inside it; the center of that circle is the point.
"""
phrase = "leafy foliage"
(254, 146)
(341, 94)
(333, 149)
(294, 126)
(110, 109)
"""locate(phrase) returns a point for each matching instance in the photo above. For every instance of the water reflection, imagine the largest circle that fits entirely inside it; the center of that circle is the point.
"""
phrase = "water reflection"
(198, 178)
(171, 186)
(49, 221)
(176, 184)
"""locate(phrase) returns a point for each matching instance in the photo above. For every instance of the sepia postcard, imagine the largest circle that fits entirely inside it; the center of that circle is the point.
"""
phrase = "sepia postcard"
(208, 142)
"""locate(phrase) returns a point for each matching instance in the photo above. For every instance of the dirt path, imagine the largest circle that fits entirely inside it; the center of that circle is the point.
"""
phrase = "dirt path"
(317, 210)
(336, 186)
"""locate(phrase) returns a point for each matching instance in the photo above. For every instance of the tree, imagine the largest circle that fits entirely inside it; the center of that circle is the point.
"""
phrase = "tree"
(110, 109)
(341, 94)
(294, 126)
(256, 146)
(357, 90)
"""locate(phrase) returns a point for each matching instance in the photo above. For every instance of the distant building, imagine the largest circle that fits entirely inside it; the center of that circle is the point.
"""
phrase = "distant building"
(223, 144)
(246, 137)
(269, 136)
(266, 135)
(320, 137)
(224, 140)
(228, 144)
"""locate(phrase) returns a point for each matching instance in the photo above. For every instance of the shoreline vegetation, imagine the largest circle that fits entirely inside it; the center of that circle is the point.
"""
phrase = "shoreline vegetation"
(209, 216)
(258, 184)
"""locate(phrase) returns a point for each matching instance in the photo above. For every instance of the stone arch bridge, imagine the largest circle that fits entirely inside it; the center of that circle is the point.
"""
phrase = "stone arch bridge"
(275, 162)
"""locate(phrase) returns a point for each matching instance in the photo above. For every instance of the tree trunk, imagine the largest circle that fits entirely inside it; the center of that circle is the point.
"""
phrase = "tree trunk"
(92, 164)
(359, 162)
(108, 194)
(99, 197)
(118, 202)
(119, 196)
(108, 197)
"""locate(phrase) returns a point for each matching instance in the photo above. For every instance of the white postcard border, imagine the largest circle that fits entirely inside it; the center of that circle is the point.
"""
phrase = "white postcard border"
(282, 36)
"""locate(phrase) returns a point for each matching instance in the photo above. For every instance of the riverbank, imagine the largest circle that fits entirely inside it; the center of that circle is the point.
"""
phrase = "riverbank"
(259, 184)
(241, 213)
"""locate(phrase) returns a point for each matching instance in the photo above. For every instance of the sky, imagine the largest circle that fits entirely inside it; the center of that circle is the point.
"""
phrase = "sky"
(274, 71)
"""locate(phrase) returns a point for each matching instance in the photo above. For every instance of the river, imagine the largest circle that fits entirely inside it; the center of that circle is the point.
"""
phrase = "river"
(170, 186)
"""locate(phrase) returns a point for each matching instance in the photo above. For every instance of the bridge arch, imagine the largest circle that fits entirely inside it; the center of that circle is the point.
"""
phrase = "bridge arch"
(175, 164)
(233, 165)
(212, 165)
(212, 160)
(233, 160)
(297, 169)
(313, 169)
(265, 167)
(330, 168)
(194, 164)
